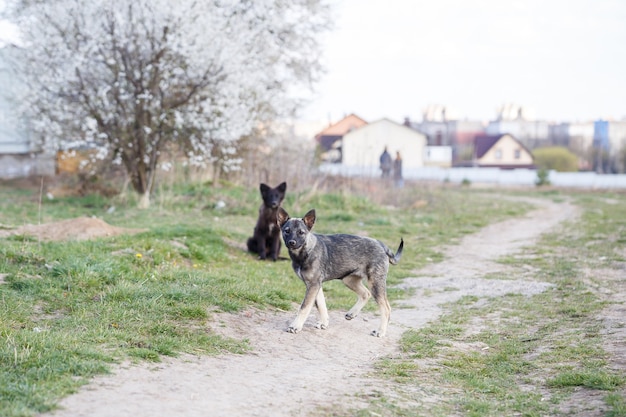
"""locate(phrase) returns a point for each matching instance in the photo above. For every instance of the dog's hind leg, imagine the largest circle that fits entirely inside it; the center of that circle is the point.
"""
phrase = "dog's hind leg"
(261, 246)
(251, 243)
(320, 303)
(355, 284)
(379, 292)
(305, 309)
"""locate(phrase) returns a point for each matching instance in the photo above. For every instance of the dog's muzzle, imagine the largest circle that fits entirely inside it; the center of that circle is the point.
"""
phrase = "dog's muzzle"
(292, 244)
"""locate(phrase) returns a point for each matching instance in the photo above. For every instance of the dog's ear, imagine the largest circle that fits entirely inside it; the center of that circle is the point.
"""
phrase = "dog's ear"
(281, 217)
(282, 187)
(309, 219)
(264, 188)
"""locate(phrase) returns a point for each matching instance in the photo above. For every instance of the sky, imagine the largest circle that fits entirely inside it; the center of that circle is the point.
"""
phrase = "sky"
(564, 60)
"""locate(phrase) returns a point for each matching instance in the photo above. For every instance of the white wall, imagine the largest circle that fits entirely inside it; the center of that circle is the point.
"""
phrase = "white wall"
(617, 136)
(523, 130)
(362, 147)
(494, 176)
(13, 137)
(438, 156)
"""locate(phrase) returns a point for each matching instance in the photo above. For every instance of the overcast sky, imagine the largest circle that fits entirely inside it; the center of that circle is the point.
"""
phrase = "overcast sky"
(564, 59)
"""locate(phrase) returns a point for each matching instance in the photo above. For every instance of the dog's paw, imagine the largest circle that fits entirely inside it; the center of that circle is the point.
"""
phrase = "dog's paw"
(320, 325)
(376, 333)
(291, 329)
(350, 316)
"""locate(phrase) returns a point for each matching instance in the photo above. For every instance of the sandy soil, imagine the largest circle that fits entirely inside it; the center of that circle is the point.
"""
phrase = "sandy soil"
(294, 375)
(81, 228)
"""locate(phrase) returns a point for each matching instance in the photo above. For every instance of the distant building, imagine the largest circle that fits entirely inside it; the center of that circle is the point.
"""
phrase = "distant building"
(617, 137)
(532, 133)
(14, 138)
(329, 140)
(458, 135)
(438, 156)
(519, 122)
(577, 137)
(501, 151)
(601, 135)
(438, 133)
(19, 155)
(609, 143)
(512, 111)
(436, 125)
(464, 133)
(439, 113)
(362, 147)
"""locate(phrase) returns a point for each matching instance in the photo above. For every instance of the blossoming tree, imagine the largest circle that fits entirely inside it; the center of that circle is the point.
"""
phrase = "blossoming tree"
(137, 78)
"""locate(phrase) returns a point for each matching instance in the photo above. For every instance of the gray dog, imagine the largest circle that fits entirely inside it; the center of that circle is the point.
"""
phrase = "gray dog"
(319, 258)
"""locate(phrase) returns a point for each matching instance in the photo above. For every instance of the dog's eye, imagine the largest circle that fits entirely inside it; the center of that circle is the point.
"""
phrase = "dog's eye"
(286, 230)
(301, 232)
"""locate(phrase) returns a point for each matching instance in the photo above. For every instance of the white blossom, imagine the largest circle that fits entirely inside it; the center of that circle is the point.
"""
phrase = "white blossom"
(130, 76)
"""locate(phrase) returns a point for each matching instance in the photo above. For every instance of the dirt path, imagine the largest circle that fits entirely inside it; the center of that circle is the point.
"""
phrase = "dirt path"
(293, 375)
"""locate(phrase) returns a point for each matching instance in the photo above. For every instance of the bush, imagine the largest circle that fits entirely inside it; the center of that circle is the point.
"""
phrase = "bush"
(556, 158)
(543, 177)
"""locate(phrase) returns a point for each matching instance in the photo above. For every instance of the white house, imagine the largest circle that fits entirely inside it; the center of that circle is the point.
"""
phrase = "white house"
(19, 157)
(438, 156)
(362, 147)
(12, 138)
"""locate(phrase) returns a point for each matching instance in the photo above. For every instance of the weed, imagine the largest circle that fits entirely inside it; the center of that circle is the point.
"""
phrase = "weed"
(537, 348)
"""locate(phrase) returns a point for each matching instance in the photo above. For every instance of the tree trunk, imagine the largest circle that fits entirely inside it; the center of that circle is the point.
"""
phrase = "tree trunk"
(144, 200)
(216, 174)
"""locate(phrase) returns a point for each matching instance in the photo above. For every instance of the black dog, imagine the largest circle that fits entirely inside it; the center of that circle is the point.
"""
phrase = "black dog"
(266, 238)
(352, 259)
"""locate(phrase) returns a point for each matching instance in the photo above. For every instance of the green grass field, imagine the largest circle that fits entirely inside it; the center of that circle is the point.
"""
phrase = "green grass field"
(72, 310)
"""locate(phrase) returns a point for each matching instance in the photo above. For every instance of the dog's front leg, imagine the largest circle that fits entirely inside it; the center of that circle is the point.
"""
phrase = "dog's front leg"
(320, 303)
(305, 309)
(275, 247)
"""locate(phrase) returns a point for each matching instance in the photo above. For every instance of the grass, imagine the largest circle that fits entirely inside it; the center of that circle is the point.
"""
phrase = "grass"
(71, 310)
(531, 353)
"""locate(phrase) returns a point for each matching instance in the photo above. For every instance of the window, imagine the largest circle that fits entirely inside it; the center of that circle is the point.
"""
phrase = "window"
(518, 153)
(498, 153)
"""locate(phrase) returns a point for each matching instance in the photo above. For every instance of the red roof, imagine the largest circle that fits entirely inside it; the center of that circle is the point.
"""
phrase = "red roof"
(343, 126)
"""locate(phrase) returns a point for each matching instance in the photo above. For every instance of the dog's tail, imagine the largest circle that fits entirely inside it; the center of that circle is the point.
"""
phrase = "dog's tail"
(394, 259)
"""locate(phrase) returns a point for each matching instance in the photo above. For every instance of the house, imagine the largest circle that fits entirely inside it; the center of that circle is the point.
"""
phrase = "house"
(329, 139)
(501, 151)
(13, 138)
(457, 134)
(362, 147)
(438, 156)
(519, 121)
(578, 138)
(609, 143)
(20, 155)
